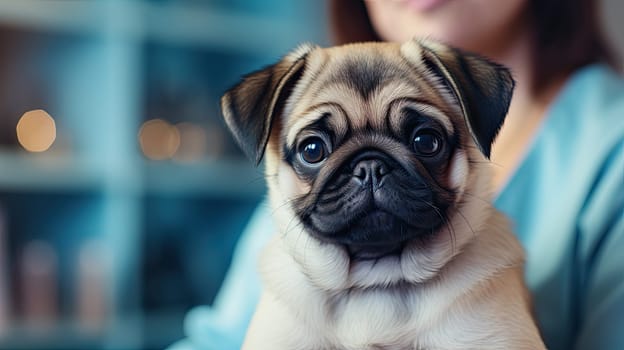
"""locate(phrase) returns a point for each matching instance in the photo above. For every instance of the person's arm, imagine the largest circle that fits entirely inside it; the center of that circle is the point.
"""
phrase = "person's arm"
(602, 326)
(222, 326)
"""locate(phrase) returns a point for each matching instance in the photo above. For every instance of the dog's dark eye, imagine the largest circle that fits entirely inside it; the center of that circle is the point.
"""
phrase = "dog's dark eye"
(313, 150)
(427, 143)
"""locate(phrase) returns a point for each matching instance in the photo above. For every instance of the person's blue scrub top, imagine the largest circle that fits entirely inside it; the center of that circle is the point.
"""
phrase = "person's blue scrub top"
(566, 200)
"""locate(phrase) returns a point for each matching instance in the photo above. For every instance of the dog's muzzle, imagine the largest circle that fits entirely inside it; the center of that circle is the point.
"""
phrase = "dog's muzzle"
(374, 207)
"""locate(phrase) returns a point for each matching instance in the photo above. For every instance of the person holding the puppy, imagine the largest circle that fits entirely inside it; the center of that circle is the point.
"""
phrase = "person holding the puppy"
(559, 161)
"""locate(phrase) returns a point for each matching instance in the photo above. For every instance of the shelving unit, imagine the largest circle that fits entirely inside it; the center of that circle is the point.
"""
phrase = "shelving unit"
(101, 69)
(25, 172)
(185, 23)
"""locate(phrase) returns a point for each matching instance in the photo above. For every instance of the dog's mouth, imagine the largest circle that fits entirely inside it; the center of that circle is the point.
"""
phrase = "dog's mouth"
(374, 252)
(374, 235)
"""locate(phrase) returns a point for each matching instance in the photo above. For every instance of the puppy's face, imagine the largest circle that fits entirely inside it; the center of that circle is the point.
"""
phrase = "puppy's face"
(370, 147)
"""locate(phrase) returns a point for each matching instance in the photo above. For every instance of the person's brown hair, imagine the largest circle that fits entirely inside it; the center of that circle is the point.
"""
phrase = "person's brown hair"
(567, 34)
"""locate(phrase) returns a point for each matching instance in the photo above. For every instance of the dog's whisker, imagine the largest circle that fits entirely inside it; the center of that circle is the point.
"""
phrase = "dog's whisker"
(474, 234)
(330, 208)
(484, 200)
(288, 228)
(289, 201)
(447, 224)
(274, 210)
(305, 248)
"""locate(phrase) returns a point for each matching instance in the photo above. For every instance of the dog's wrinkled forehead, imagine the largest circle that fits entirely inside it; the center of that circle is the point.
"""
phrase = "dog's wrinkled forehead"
(360, 88)
(361, 81)
(363, 72)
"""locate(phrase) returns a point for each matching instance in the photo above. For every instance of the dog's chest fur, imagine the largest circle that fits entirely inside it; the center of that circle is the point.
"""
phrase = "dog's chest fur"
(390, 320)
(356, 318)
(439, 314)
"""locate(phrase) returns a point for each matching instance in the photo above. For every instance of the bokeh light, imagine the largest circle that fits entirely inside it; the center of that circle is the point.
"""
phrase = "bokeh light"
(158, 139)
(36, 131)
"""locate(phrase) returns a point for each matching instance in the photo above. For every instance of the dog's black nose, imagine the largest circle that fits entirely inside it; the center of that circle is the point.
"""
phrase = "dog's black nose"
(369, 172)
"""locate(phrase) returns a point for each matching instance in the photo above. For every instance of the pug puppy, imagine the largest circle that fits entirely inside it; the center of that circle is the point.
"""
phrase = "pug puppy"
(377, 166)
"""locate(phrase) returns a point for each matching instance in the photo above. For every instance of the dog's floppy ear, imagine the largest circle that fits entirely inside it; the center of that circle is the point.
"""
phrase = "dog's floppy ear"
(483, 88)
(249, 108)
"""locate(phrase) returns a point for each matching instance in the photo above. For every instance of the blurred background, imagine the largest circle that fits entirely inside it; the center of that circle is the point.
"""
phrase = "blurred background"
(121, 193)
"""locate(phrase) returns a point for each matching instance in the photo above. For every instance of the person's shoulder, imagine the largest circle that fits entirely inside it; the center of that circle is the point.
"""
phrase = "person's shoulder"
(596, 93)
(590, 108)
